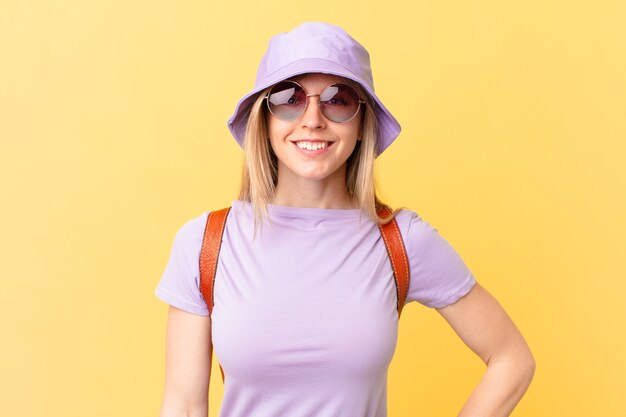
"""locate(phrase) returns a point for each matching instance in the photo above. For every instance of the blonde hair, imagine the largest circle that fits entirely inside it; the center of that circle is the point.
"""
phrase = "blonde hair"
(260, 165)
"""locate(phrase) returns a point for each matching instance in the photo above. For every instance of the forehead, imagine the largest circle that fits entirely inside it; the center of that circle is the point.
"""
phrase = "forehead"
(318, 78)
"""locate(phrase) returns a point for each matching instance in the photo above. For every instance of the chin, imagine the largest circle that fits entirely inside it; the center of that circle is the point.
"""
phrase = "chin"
(314, 176)
(315, 173)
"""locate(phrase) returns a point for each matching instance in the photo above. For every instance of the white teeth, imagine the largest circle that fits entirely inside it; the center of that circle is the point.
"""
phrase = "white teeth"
(311, 146)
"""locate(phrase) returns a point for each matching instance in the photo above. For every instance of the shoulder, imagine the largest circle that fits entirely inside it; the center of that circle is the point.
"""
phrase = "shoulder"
(421, 238)
(414, 228)
(439, 275)
(192, 231)
(179, 284)
(410, 223)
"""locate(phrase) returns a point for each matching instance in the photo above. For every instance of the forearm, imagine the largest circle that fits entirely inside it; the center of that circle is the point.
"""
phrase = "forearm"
(501, 388)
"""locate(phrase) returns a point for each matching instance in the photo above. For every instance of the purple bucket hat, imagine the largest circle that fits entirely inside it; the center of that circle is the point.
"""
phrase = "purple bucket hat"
(315, 47)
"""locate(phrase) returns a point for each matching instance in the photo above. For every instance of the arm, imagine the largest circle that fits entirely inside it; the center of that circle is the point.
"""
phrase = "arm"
(488, 331)
(187, 364)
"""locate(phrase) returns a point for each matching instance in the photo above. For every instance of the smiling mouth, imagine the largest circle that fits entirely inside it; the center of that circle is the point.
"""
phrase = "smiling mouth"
(312, 145)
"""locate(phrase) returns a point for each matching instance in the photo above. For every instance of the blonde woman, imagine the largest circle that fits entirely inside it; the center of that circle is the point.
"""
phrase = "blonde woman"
(304, 305)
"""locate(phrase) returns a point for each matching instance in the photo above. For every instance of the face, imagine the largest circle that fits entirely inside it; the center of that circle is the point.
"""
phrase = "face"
(290, 139)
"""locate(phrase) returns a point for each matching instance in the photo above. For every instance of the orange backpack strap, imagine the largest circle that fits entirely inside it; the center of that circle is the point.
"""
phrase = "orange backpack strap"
(397, 255)
(209, 253)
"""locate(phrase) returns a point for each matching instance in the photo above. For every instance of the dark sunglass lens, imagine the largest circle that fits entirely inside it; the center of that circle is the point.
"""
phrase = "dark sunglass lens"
(340, 102)
(286, 100)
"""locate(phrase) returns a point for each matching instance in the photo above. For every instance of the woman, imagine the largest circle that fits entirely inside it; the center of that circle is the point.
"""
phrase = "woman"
(304, 315)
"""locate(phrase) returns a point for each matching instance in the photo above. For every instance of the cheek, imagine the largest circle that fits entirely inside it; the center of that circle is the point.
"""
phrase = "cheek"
(277, 132)
(276, 128)
(351, 131)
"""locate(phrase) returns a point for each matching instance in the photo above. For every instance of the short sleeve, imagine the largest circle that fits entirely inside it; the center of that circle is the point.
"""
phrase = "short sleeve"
(180, 283)
(439, 276)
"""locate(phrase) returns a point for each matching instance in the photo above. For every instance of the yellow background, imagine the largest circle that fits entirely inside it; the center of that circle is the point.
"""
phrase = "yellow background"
(113, 134)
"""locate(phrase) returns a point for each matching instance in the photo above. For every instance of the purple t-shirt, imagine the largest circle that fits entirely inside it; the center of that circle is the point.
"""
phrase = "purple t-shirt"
(304, 321)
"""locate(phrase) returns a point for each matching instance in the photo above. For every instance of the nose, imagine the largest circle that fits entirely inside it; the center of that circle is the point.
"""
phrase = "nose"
(313, 117)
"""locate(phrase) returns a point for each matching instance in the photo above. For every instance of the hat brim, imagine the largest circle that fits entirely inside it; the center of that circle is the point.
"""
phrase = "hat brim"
(388, 126)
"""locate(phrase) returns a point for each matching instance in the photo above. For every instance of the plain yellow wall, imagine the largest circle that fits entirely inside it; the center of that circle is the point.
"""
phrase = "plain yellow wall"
(113, 134)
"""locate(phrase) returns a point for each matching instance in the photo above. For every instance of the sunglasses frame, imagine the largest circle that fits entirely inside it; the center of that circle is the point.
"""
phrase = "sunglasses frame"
(306, 105)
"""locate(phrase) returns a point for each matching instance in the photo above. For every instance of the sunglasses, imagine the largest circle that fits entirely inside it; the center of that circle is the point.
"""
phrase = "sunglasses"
(287, 101)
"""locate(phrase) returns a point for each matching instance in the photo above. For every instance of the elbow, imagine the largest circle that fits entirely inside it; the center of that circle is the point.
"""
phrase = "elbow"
(524, 367)
(172, 409)
(531, 366)
(527, 362)
(522, 372)
(521, 364)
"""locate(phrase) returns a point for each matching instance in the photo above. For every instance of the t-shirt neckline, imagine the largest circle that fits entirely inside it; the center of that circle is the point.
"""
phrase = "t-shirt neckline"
(303, 211)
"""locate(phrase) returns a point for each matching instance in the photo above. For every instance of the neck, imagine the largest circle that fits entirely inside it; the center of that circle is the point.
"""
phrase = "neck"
(330, 192)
